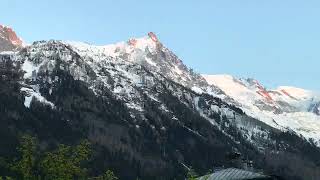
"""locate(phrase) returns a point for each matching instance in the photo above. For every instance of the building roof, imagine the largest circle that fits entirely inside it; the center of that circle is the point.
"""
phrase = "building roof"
(234, 174)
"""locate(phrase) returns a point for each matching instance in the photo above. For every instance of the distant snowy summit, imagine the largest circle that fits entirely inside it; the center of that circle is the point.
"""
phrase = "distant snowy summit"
(285, 107)
(251, 92)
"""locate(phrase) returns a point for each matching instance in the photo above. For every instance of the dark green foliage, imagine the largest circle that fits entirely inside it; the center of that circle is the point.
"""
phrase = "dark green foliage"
(63, 163)
(108, 175)
(26, 164)
(192, 175)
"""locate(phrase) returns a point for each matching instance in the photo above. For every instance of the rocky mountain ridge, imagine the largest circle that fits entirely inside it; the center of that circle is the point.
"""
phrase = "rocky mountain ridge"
(142, 108)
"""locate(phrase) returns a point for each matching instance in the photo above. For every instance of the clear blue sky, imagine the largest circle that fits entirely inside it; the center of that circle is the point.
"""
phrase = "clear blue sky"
(274, 41)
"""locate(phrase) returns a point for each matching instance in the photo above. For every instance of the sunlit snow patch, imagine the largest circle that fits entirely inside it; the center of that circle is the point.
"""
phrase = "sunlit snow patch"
(197, 89)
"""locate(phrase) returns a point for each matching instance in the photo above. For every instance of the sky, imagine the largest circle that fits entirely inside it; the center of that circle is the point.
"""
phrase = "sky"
(276, 42)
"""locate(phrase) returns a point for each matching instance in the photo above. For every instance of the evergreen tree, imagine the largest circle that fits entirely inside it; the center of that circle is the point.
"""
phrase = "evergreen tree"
(26, 164)
(191, 175)
(65, 163)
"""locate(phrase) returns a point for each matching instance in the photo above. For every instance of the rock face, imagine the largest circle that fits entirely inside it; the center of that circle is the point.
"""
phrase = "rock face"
(146, 113)
(153, 36)
(8, 39)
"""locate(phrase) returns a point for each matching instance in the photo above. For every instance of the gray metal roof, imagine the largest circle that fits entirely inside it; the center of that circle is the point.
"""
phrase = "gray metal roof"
(233, 174)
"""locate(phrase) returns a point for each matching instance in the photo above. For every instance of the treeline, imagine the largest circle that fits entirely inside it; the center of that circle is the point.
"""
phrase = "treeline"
(63, 163)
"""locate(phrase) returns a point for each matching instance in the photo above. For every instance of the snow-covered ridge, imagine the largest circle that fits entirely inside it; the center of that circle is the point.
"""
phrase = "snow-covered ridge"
(147, 51)
(297, 93)
(120, 62)
(284, 98)
(117, 48)
(283, 108)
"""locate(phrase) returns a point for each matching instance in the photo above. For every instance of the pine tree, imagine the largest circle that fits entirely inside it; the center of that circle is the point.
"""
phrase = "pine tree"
(109, 175)
(65, 163)
(25, 166)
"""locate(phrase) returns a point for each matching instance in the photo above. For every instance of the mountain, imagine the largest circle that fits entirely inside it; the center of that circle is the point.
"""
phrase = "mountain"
(146, 114)
(8, 39)
(283, 108)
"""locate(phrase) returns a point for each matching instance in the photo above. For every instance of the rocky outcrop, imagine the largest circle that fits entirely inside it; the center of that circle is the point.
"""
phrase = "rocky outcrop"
(8, 39)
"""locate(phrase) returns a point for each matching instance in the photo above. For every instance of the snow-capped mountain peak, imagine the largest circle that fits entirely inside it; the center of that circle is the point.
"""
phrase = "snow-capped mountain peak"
(147, 51)
(149, 42)
(251, 91)
(8, 34)
(285, 107)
